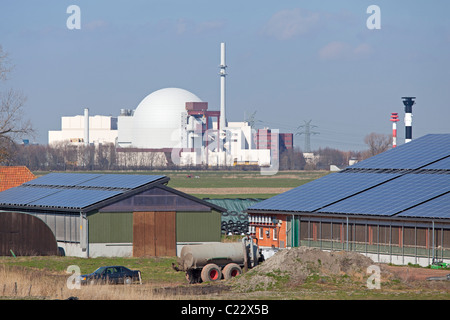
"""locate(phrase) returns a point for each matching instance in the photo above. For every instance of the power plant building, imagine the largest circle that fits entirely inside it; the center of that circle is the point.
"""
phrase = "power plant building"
(174, 126)
(102, 129)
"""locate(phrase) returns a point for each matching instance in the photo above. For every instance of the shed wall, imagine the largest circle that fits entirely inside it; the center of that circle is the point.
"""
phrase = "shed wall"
(415, 240)
(198, 226)
(111, 227)
(25, 235)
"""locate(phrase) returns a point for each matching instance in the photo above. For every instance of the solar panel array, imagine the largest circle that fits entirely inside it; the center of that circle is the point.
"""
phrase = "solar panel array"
(321, 192)
(412, 180)
(72, 190)
(420, 152)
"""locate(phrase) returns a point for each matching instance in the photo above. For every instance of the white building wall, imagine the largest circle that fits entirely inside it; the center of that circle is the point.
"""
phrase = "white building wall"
(102, 129)
(125, 132)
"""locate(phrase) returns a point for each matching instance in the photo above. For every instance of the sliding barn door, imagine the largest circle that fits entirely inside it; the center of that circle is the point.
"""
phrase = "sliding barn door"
(154, 234)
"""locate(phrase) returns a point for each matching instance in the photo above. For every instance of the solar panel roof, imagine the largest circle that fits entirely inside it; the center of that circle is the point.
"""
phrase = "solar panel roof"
(435, 208)
(411, 155)
(392, 197)
(412, 180)
(73, 190)
(74, 198)
(62, 179)
(121, 181)
(443, 164)
(23, 195)
(323, 191)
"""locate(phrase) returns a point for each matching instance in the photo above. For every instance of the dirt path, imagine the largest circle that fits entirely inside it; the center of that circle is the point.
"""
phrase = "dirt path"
(409, 274)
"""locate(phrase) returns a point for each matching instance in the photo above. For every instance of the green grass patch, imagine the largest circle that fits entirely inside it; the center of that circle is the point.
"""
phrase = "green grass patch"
(157, 269)
(225, 178)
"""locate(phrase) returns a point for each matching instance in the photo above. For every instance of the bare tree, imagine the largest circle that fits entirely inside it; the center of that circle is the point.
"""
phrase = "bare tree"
(377, 143)
(12, 123)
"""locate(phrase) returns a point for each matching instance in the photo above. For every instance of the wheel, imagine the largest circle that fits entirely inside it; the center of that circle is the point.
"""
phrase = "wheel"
(127, 280)
(231, 270)
(211, 272)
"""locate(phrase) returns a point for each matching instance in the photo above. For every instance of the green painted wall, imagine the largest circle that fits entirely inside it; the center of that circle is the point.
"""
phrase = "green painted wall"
(117, 227)
(198, 226)
(108, 227)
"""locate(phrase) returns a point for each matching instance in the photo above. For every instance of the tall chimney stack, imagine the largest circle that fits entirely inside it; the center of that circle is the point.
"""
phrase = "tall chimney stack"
(223, 66)
(86, 126)
(408, 102)
(394, 119)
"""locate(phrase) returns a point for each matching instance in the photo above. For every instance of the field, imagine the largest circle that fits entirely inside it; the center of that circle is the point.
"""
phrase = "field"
(309, 274)
(230, 184)
(38, 278)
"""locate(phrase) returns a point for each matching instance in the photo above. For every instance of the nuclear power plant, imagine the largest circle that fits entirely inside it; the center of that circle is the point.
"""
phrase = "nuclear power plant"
(175, 126)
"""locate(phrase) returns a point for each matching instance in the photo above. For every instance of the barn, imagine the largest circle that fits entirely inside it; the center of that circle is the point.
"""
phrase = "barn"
(393, 207)
(95, 215)
(22, 234)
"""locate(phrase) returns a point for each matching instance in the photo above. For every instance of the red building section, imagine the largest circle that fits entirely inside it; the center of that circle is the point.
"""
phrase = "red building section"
(266, 139)
(269, 231)
(11, 177)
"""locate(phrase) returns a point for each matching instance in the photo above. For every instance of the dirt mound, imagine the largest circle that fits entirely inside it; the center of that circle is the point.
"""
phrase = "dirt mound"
(294, 266)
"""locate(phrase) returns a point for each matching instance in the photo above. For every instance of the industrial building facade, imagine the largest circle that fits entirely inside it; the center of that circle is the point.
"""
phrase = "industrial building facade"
(94, 215)
(394, 207)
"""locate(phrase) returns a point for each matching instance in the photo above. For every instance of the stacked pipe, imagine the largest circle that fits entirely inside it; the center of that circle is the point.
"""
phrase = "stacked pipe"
(408, 102)
(394, 119)
(234, 223)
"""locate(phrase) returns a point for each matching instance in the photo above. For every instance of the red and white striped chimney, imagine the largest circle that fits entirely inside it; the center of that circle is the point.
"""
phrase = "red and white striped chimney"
(394, 119)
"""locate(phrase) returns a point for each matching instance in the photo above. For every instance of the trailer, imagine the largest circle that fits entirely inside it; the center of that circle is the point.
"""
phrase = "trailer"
(216, 261)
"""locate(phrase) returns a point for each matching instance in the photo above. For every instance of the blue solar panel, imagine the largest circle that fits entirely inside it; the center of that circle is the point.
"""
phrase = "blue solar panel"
(411, 155)
(394, 196)
(73, 190)
(74, 198)
(323, 191)
(62, 179)
(443, 164)
(124, 181)
(24, 195)
(435, 208)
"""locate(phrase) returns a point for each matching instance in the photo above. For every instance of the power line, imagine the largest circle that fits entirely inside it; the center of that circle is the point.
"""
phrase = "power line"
(307, 132)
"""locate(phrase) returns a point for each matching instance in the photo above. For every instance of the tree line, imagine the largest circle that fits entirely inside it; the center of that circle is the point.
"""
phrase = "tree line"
(69, 157)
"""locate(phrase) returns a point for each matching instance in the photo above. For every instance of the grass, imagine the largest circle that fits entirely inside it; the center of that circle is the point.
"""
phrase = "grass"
(235, 196)
(226, 179)
(155, 270)
(46, 278)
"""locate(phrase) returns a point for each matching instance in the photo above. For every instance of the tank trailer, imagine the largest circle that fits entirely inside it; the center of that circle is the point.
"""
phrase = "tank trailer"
(214, 261)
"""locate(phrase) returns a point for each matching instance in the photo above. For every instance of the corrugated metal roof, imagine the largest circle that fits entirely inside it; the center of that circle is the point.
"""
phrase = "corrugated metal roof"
(412, 180)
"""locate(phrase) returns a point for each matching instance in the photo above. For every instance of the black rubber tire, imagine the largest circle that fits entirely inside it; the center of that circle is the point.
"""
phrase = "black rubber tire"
(211, 272)
(231, 270)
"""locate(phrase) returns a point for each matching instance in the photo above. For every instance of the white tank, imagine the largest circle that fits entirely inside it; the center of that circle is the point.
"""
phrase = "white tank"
(198, 255)
(243, 253)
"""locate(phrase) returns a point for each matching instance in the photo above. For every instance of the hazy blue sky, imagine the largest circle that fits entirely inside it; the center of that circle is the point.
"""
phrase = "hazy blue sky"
(290, 61)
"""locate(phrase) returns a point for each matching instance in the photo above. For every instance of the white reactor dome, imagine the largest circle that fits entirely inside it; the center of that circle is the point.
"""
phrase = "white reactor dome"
(157, 119)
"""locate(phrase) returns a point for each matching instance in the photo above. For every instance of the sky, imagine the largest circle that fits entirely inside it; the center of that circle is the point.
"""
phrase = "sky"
(289, 62)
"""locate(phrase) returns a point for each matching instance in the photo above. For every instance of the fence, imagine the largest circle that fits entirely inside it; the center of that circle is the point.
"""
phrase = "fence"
(417, 239)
